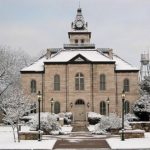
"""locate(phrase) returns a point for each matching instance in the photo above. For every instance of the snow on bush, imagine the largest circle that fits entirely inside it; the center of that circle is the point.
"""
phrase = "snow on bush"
(131, 117)
(68, 118)
(141, 107)
(109, 122)
(94, 118)
(48, 123)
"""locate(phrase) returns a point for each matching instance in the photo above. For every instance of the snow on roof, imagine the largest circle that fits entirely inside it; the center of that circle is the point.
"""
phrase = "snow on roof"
(122, 64)
(91, 55)
(36, 66)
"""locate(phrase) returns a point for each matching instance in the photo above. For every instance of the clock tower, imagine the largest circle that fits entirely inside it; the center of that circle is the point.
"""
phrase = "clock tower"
(79, 36)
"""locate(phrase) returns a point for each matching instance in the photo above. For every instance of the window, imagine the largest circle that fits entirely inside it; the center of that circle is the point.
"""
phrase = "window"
(33, 86)
(102, 82)
(76, 41)
(79, 102)
(102, 108)
(56, 107)
(79, 81)
(126, 107)
(82, 41)
(57, 83)
(126, 85)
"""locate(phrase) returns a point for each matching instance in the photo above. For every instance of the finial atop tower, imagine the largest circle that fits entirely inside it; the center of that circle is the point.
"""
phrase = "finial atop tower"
(79, 3)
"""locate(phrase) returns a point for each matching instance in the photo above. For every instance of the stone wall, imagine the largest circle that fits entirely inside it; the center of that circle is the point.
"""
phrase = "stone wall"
(141, 125)
(133, 134)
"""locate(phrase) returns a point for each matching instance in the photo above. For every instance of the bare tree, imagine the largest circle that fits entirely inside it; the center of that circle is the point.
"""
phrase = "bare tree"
(11, 62)
(14, 105)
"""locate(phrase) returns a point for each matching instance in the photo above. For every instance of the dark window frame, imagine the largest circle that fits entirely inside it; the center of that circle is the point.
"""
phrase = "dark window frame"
(79, 82)
(33, 86)
(102, 82)
(103, 108)
(57, 107)
(56, 82)
(126, 85)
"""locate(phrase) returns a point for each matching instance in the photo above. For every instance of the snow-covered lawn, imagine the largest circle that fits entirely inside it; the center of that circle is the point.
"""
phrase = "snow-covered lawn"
(7, 141)
(136, 143)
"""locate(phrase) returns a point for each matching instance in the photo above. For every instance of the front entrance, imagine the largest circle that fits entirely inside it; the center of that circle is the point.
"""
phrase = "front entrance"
(79, 111)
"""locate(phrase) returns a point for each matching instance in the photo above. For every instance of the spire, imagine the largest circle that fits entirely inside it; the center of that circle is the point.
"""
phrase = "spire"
(79, 23)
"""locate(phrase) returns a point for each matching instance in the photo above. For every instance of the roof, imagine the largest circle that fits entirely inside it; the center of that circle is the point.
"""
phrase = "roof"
(65, 56)
(91, 55)
(37, 66)
(122, 65)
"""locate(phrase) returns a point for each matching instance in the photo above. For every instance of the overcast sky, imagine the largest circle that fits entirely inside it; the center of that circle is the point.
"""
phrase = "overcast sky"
(35, 25)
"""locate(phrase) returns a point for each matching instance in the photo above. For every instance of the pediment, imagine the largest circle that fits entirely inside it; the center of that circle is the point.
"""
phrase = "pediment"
(79, 58)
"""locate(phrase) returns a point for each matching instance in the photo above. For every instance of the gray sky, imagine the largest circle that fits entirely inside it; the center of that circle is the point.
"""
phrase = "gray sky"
(35, 25)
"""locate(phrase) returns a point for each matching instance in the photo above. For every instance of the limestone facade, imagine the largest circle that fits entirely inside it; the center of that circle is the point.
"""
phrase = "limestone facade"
(80, 56)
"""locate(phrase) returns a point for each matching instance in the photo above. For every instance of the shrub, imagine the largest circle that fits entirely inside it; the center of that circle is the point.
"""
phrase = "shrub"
(131, 117)
(48, 123)
(94, 118)
(109, 122)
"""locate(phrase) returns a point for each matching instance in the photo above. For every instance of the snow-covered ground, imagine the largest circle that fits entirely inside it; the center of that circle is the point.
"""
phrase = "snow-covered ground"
(136, 143)
(7, 141)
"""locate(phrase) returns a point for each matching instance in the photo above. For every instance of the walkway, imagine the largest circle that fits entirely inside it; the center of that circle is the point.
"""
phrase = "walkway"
(81, 138)
(81, 144)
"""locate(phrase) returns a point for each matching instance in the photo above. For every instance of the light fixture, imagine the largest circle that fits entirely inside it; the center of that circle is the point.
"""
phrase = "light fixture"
(88, 104)
(71, 104)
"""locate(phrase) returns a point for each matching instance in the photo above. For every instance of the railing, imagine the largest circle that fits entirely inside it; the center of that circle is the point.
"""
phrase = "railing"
(79, 45)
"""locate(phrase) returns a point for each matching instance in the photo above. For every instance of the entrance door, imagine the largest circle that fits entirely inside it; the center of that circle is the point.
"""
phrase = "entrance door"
(79, 111)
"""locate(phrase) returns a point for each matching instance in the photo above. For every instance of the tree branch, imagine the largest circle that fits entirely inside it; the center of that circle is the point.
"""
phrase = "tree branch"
(5, 88)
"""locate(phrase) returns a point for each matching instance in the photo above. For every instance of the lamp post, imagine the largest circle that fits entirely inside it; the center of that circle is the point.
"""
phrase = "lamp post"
(108, 101)
(39, 99)
(52, 102)
(123, 99)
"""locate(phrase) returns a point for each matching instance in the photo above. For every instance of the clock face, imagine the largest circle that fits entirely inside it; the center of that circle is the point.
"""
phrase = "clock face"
(79, 24)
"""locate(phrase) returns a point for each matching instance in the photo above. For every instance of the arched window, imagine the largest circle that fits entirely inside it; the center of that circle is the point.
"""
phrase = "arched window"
(79, 81)
(102, 108)
(102, 82)
(126, 85)
(57, 82)
(79, 102)
(56, 107)
(126, 107)
(33, 86)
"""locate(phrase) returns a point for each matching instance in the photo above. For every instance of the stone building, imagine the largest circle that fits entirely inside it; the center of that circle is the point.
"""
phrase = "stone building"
(81, 78)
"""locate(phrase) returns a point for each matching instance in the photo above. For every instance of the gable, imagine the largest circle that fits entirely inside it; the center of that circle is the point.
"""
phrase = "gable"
(79, 58)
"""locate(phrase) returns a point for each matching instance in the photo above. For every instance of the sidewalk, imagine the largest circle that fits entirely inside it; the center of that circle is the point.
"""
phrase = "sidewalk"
(81, 144)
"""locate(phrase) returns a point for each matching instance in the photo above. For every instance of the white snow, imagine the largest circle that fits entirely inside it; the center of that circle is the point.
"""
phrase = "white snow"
(91, 128)
(91, 55)
(7, 142)
(94, 115)
(36, 66)
(135, 143)
(66, 128)
(122, 64)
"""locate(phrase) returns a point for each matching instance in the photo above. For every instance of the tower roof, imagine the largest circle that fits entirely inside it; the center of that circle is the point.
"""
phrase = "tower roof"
(79, 23)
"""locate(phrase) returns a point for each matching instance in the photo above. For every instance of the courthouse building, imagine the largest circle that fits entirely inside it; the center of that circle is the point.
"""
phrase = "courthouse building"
(80, 77)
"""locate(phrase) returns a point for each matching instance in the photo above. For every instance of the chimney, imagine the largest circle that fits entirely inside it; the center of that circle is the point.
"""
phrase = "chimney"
(48, 54)
(110, 53)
